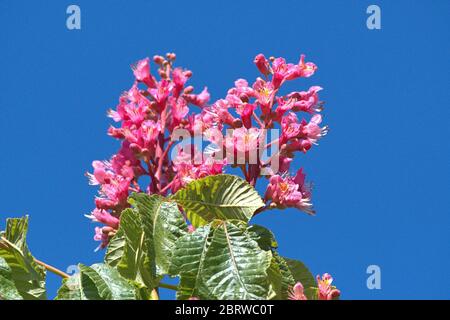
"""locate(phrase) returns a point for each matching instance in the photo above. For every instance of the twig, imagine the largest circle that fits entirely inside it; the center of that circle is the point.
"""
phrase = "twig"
(6, 243)
(168, 286)
(52, 269)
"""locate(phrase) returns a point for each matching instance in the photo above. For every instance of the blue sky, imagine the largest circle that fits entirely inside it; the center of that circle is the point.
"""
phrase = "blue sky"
(381, 176)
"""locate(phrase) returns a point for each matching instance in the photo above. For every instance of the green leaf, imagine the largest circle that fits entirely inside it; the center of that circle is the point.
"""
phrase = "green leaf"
(275, 279)
(163, 224)
(71, 289)
(78, 287)
(98, 282)
(263, 236)
(223, 197)
(8, 289)
(188, 257)
(266, 241)
(221, 261)
(287, 280)
(27, 275)
(115, 249)
(235, 267)
(300, 273)
(136, 261)
(100, 285)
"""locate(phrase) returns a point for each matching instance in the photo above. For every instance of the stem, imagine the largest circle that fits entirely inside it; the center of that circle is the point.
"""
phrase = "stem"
(261, 125)
(151, 174)
(7, 244)
(261, 210)
(52, 269)
(163, 190)
(168, 286)
(161, 160)
(267, 146)
(244, 171)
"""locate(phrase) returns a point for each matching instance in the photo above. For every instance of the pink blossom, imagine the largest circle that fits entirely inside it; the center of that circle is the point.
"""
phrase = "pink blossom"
(243, 140)
(306, 69)
(287, 71)
(200, 99)
(283, 106)
(103, 216)
(201, 122)
(189, 167)
(143, 140)
(180, 110)
(300, 136)
(285, 163)
(102, 234)
(264, 93)
(149, 112)
(161, 93)
(290, 127)
(220, 113)
(245, 110)
(241, 90)
(101, 174)
(125, 163)
(132, 108)
(296, 292)
(286, 191)
(262, 64)
(113, 195)
(141, 71)
(306, 101)
(179, 79)
(313, 131)
(325, 290)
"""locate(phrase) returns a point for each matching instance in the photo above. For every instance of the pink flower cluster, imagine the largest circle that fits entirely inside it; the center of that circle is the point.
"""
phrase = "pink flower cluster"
(154, 108)
(325, 291)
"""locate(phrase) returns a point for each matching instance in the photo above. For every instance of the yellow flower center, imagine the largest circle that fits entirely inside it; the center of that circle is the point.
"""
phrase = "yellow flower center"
(284, 186)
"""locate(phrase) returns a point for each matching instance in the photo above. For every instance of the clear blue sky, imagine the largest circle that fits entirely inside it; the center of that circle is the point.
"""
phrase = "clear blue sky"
(381, 176)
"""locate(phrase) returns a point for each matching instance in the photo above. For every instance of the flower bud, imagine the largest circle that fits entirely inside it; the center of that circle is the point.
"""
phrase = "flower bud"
(188, 90)
(262, 64)
(158, 59)
(171, 56)
(237, 123)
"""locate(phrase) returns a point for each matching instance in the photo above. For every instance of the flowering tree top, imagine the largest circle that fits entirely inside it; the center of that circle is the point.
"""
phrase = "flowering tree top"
(166, 205)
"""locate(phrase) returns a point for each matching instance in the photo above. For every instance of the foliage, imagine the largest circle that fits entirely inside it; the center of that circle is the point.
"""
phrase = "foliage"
(224, 258)
(191, 221)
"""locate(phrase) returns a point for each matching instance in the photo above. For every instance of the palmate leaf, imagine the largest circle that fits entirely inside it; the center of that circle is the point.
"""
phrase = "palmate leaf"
(98, 282)
(287, 281)
(294, 271)
(188, 259)
(300, 273)
(130, 253)
(78, 287)
(142, 248)
(275, 279)
(28, 277)
(116, 247)
(263, 236)
(222, 261)
(223, 197)
(8, 289)
(163, 224)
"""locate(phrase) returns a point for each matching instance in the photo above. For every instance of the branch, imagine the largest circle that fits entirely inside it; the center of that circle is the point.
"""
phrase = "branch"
(168, 286)
(52, 269)
(48, 267)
